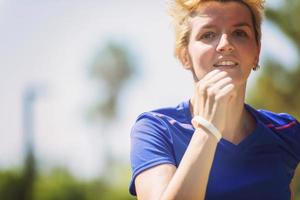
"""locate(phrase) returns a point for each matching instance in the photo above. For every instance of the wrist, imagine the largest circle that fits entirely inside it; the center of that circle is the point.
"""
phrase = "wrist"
(199, 123)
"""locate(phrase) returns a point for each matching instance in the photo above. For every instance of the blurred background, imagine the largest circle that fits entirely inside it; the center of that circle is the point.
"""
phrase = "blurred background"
(74, 75)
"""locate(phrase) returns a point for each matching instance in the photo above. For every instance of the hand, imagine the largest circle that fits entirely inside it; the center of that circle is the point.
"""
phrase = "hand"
(212, 96)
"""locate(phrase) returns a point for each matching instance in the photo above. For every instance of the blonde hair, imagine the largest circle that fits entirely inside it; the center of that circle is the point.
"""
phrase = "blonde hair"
(182, 10)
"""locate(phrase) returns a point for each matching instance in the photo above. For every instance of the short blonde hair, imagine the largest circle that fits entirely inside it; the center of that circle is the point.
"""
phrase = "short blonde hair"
(182, 10)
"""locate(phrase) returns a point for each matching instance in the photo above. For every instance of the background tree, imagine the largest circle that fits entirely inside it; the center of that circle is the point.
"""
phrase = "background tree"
(111, 69)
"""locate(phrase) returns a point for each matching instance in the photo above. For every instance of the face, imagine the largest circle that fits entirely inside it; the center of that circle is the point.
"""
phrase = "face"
(222, 37)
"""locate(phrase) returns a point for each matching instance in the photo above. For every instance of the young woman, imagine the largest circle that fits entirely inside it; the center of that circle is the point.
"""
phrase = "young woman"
(214, 146)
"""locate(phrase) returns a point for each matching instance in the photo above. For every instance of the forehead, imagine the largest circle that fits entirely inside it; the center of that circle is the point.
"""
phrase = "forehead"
(223, 13)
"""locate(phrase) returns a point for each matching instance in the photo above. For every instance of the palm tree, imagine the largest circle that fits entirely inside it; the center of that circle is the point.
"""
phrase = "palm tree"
(111, 69)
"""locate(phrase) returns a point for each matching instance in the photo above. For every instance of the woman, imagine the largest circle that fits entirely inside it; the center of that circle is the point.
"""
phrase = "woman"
(215, 146)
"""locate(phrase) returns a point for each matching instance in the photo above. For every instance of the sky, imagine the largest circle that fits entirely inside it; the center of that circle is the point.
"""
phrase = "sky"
(49, 45)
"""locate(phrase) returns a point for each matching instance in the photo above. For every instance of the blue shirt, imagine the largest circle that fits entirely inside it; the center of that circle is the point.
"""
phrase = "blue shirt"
(261, 166)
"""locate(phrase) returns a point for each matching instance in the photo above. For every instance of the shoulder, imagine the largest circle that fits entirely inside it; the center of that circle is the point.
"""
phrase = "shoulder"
(163, 117)
(278, 121)
(287, 130)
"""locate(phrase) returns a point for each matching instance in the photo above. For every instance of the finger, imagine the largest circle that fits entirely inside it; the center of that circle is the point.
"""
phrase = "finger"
(216, 78)
(209, 105)
(204, 84)
(212, 92)
(225, 92)
(210, 74)
(221, 83)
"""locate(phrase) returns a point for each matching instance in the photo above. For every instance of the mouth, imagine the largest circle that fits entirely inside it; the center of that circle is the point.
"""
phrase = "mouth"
(226, 63)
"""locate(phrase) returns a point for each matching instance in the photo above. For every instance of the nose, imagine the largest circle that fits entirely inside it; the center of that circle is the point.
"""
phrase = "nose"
(224, 45)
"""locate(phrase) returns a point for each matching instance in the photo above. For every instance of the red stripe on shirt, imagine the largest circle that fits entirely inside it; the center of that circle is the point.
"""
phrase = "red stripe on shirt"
(283, 126)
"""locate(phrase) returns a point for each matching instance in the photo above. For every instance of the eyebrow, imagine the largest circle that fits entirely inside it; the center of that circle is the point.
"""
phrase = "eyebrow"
(241, 24)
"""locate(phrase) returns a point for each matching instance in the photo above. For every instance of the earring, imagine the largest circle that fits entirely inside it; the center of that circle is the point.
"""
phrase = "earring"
(256, 67)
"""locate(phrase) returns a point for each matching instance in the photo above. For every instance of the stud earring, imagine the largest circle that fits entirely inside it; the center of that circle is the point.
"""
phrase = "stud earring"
(257, 67)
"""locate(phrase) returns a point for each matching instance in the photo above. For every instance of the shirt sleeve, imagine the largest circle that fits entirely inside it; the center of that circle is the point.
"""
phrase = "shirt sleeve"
(151, 145)
(295, 143)
(291, 132)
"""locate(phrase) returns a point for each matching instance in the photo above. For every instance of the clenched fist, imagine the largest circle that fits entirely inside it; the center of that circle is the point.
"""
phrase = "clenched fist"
(212, 96)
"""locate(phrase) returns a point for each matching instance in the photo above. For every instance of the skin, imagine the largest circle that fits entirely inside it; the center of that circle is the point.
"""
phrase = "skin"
(220, 31)
(217, 34)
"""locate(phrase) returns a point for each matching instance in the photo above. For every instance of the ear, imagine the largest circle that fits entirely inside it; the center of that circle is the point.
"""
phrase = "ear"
(256, 60)
(185, 59)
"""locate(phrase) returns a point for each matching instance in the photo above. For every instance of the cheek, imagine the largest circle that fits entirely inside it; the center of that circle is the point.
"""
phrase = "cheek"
(201, 55)
(250, 54)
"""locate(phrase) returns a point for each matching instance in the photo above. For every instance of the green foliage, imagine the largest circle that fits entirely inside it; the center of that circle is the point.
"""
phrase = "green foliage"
(277, 89)
(296, 183)
(60, 185)
(10, 185)
(287, 19)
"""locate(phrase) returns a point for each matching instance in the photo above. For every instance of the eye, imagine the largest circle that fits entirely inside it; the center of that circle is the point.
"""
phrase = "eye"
(208, 36)
(240, 33)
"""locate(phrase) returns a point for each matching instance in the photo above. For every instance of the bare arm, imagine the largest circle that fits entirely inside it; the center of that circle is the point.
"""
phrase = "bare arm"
(191, 177)
(151, 183)
(189, 181)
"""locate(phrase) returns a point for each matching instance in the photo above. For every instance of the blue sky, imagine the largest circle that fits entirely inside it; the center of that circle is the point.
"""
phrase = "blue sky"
(51, 44)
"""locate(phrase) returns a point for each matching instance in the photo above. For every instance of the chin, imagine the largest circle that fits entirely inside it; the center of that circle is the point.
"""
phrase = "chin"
(238, 79)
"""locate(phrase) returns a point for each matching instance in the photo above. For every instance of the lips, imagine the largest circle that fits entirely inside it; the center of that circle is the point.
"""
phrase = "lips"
(226, 63)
